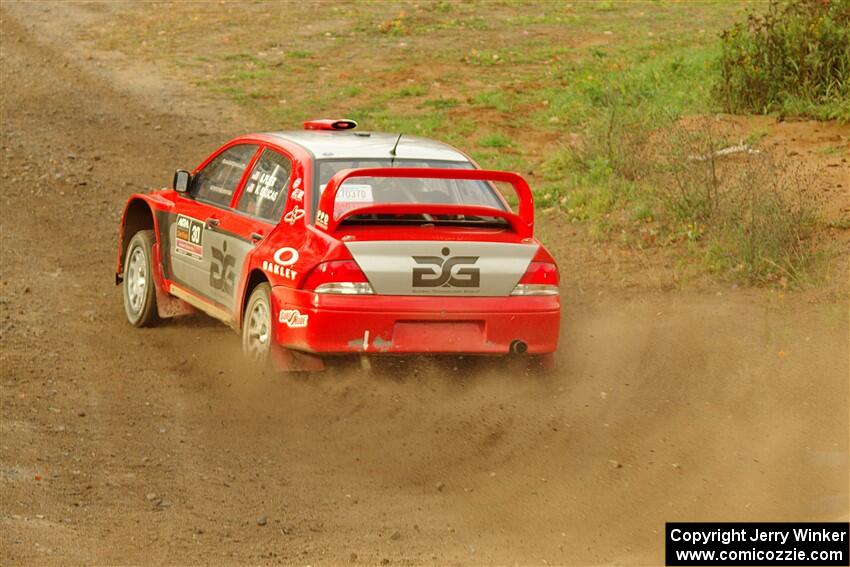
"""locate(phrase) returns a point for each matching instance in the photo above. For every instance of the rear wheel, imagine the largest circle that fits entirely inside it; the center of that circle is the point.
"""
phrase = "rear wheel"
(257, 329)
(139, 292)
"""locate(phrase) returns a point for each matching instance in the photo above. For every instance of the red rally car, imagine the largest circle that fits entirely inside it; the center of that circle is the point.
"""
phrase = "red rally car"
(331, 241)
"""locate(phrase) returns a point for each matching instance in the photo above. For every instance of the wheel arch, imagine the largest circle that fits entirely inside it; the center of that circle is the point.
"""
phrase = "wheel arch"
(255, 278)
(138, 215)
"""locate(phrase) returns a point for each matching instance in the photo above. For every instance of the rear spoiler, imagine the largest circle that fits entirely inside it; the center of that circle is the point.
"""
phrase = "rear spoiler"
(522, 223)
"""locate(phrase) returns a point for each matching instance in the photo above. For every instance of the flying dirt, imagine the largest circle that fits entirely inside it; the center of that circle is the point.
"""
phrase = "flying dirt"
(152, 446)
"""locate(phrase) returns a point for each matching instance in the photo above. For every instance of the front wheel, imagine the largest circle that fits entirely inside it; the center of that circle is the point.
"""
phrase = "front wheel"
(139, 292)
(257, 327)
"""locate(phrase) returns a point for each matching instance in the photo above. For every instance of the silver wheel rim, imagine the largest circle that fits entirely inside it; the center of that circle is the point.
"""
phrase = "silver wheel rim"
(259, 331)
(137, 279)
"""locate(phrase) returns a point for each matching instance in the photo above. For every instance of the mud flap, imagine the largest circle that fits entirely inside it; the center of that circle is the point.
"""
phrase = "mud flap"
(287, 360)
(166, 304)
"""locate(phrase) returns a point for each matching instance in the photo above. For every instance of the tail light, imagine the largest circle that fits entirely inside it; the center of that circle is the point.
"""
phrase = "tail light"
(342, 277)
(541, 278)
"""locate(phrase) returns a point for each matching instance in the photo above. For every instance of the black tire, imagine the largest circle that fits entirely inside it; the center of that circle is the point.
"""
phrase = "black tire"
(258, 327)
(138, 289)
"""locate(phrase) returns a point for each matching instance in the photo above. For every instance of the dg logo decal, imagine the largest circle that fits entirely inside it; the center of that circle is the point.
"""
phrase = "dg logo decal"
(446, 271)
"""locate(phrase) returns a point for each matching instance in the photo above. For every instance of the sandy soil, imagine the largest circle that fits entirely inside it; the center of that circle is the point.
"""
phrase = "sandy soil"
(153, 446)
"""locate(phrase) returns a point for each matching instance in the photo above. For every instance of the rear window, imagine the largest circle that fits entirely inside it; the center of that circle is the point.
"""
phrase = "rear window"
(360, 191)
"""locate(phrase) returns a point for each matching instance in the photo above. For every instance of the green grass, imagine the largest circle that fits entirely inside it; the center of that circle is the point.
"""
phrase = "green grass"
(494, 141)
(413, 90)
(831, 150)
(441, 103)
(505, 64)
(562, 93)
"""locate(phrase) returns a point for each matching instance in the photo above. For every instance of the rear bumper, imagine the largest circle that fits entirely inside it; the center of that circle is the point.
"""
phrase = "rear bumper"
(338, 324)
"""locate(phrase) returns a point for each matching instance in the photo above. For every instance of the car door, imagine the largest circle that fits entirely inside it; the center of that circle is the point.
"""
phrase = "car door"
(207, 249)
(263, 199)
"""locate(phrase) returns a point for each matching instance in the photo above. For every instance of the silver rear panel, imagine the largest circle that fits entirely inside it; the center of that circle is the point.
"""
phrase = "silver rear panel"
(488, 269)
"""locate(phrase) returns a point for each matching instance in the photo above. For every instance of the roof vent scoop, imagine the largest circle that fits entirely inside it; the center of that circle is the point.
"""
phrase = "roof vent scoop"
(330, 124)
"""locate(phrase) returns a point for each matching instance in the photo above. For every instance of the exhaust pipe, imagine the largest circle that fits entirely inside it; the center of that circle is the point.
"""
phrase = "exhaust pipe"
(518, 347)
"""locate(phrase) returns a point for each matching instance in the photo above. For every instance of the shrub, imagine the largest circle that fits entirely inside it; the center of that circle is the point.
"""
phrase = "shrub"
(763, 230)
(794, 58)
(749, 212)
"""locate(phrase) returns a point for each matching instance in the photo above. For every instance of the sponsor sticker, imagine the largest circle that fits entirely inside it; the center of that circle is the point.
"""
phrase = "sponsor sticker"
(295, 214)
(297, 193)
(292, 318)
(189, 237)
(322, 219)
(286, 256)
(283, 259)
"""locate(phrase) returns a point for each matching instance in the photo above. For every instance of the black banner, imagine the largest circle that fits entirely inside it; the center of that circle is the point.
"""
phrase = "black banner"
(753, 543)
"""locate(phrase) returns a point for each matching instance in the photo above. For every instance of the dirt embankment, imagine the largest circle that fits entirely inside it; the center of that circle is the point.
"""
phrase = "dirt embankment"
(154, 446)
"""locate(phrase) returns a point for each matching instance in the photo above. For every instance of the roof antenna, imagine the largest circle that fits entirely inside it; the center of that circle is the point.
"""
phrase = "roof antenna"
(395, 147)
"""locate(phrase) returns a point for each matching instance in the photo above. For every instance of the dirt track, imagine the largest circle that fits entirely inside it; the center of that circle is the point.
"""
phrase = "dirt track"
(153, 446)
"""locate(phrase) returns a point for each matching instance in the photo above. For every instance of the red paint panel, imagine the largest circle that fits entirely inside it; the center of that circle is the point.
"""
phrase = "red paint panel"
(483, 325)
(445, 336)
(522, 223)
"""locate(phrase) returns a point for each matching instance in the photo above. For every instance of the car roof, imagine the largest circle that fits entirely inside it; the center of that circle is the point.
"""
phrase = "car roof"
(370, 145)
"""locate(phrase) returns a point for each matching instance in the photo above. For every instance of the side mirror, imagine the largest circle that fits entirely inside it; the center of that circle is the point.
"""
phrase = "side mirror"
(182, 179)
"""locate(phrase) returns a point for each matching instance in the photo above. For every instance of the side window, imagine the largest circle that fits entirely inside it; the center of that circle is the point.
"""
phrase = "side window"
(265, 191)
(219, 179)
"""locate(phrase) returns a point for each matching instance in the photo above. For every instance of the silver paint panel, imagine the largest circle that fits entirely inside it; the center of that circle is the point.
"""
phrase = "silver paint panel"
(195, 274)
(389, 266)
